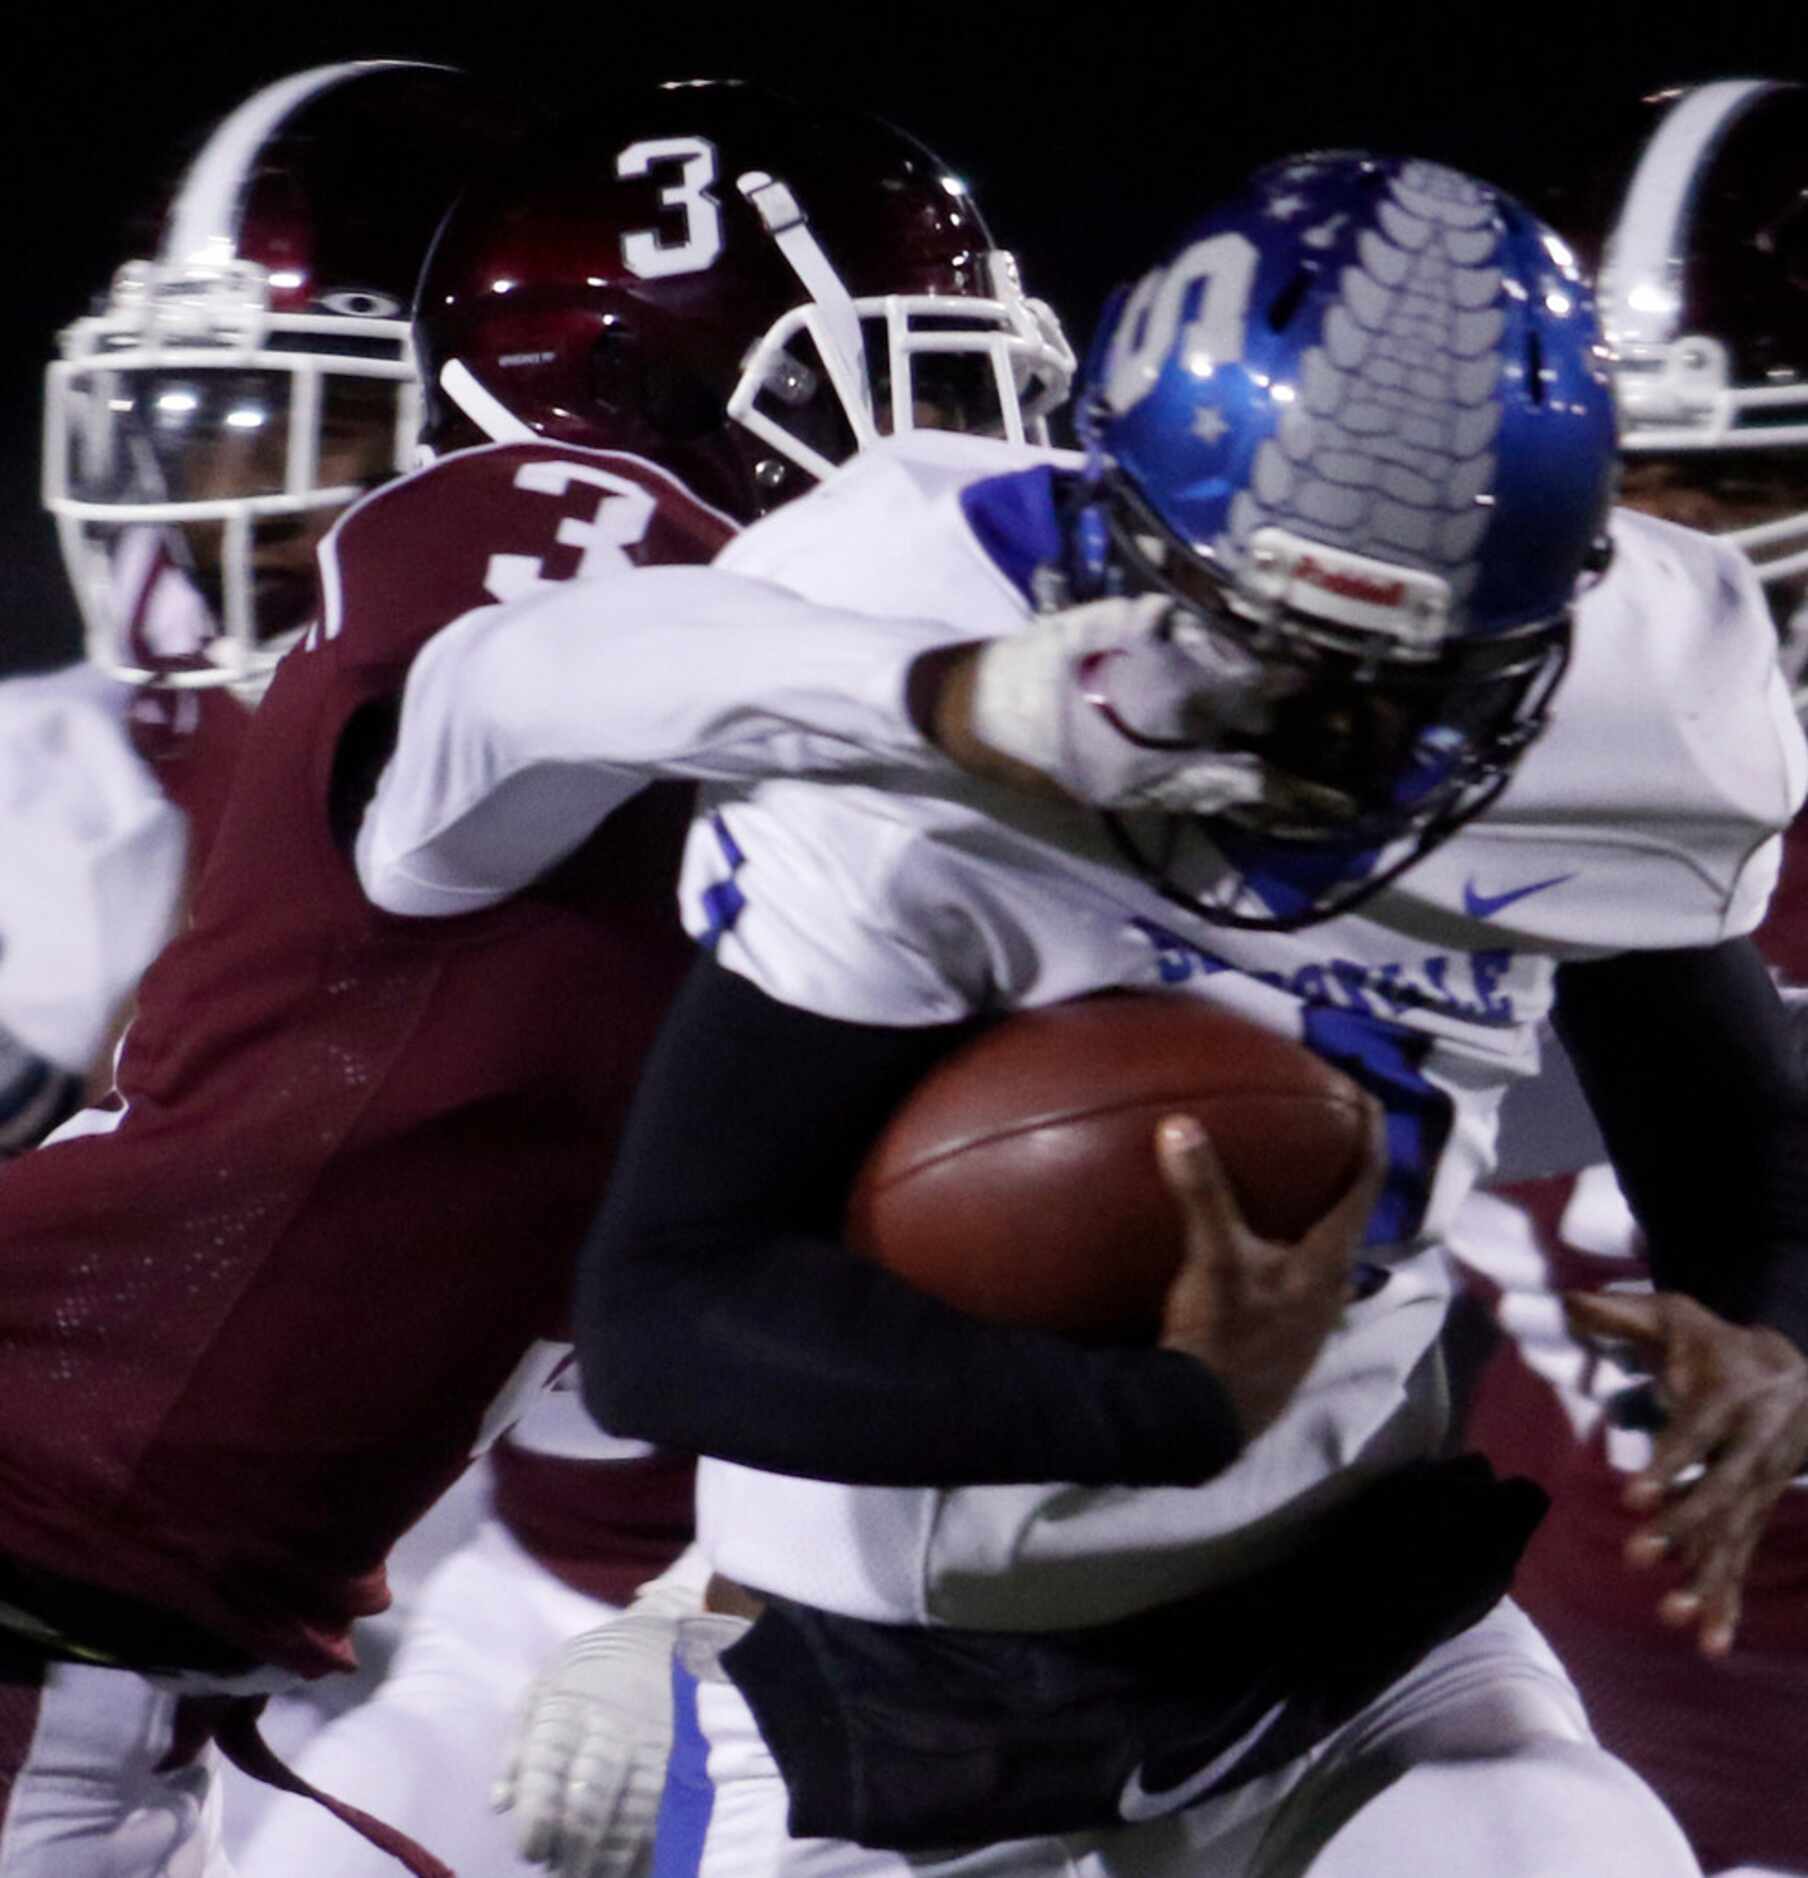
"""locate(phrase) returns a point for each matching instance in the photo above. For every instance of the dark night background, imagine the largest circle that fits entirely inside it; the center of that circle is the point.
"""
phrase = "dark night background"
(1090, 135)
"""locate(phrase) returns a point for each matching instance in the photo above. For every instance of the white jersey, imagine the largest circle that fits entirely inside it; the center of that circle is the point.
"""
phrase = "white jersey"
(91, 862)
(1646, 818)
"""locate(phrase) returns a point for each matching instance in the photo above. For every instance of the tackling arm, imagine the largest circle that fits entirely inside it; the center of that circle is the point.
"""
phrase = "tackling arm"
(524, 725)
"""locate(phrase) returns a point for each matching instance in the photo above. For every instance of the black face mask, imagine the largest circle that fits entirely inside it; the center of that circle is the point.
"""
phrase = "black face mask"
(1374, 758)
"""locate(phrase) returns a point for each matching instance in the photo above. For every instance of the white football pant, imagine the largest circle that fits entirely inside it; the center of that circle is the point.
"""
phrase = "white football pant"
(103, 1776)
(423, 1752)
(1478, 1764)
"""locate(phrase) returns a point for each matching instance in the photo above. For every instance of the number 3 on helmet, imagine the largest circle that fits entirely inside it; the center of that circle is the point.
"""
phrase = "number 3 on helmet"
(742, 289)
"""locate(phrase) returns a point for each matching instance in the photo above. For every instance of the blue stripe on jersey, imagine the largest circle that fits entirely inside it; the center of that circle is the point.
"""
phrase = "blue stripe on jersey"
(688, 1800)
(1385, 1059)
(723, 903)
(1013, 518)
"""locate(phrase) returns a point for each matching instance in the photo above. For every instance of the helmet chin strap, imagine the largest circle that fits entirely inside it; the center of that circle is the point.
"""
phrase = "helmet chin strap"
(1084, 571)
(784, 220)
(483, 408)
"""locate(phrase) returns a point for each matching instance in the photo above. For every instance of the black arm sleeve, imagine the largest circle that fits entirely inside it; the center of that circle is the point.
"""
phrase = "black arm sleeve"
(717, 1310)
(1696, 1078)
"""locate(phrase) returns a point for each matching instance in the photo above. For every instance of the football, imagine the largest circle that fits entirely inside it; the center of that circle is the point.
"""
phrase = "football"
(1019, 1181)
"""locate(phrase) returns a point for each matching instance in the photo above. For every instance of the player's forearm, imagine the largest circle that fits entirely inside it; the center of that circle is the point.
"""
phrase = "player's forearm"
(717, 1312)
(1696, 1078)
(524, 726)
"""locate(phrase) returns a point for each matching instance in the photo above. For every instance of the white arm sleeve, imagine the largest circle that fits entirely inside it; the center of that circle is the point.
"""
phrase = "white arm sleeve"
(524, 725)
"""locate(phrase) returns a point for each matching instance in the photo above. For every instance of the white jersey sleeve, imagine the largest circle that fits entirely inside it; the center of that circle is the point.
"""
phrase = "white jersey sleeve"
(91, 863)
(1672, 763)
(524, 725)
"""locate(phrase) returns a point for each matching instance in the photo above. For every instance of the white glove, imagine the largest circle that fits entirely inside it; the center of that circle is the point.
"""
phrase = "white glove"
(1083, 694)
(587, 1766)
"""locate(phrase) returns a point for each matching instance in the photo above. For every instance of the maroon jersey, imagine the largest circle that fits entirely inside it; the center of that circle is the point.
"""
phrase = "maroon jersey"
(188, 735)
(1724, 1743)
(604, 1527)
(247, 1337)
(190, 739)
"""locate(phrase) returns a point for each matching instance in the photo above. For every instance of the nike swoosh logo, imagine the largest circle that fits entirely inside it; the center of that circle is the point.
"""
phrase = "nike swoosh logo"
(1486, 905)
(1137, 1803)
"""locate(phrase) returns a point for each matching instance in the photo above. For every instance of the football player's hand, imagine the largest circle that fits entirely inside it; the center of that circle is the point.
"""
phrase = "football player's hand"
(1257, 1311)
(1735, 1402)
(587, 1765)
(1124, 703)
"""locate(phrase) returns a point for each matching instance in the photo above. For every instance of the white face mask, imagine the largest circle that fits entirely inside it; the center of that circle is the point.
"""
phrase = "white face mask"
(190, 408)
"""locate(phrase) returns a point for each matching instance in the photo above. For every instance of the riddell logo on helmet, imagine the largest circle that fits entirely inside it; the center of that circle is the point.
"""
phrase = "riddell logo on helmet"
(1350, 585)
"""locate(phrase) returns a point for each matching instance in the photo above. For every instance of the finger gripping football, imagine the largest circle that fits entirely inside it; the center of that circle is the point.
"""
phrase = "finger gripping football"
(1019, 1181)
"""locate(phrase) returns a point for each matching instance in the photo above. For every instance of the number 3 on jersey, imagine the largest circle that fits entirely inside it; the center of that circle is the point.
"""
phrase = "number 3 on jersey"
(647, 251)
(618, 524)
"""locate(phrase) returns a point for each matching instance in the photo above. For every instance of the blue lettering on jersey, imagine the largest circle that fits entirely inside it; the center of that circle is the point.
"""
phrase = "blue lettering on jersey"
(1460, 985)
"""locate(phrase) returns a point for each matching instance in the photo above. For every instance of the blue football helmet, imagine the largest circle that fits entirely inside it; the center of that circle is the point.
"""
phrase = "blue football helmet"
(1359, 424)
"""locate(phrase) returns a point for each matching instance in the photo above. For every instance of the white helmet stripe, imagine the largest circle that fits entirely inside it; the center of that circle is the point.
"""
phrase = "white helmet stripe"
(483, 407)
(1641, 269)
(203, 223)
(785, 223)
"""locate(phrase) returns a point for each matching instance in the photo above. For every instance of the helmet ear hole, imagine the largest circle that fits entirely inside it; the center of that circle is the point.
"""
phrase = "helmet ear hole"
(628, 384)
(615, 373)
(1287, 302)
(681, 406)
(1787, 239)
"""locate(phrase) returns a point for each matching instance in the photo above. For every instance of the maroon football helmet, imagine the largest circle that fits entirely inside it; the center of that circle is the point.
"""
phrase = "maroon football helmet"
(1704, 301)
(1704, 272)
(254, 377)
(742, 288)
